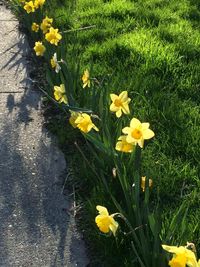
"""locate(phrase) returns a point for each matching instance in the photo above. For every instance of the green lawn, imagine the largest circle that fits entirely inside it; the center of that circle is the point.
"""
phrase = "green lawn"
(152, 49)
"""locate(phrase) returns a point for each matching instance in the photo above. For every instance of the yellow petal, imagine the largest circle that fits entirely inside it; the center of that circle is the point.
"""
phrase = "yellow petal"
(126, 130)
(130, 139)
(125, 108)
(113, 226)
(145, 125)
(123, 96)
(64, 99)
(119, 113)
(148, 134)
(141, 142)
(174, 249)
(113, 97)
(95, 128)
(113, 108)
(135, 123)
(102, 210)
(62, 88)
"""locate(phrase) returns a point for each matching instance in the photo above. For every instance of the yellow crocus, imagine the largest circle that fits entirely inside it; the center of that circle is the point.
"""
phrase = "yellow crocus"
(138, 132)
(143, 183)
(53, 37)
(39, 49)
(120, 103)
(123, 146)
(35, 27)
(29, 7)
(60, 94)
(106, 222)
(39, 3)
(46, 24)
(86, 79)
(84, 123)
(181, 257)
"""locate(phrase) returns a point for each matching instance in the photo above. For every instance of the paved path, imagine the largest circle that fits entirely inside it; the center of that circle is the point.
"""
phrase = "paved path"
(35, 229)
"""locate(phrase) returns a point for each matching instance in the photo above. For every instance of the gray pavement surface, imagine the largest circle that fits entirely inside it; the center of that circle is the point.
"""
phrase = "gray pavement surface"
(35, 227)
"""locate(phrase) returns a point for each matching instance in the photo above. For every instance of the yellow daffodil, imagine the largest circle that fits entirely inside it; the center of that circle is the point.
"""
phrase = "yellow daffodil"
(143, 182)
(60, 94)
(106, 222)
(73, 117)
(86, 78)
(120, 103)
(46, 24)
(123, 146)
(138, 132)
(53, 36)
(35, 27)
(84, 123)
(54, 63)
(39, 3)
(39, 49)
(181, 257)
(29, 7)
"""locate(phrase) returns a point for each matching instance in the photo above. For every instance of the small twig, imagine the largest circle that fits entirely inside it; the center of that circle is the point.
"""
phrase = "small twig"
(12, 92)
(135, 229)
(8, 20)
(80, 29)
(74, 202)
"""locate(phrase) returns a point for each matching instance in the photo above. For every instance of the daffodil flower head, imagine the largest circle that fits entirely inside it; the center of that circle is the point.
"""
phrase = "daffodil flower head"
(39, 48)
(181, 256)
(138, 132)
(29, 7)
(54, 63)
(106, 222)
(120, 103)
(123, 146)
(143, 183)
(73, 117)
(86, 79)
(46, 24)
(35, 27)
(84, 123)
(53, 37)
(60, 94)
(39, 3)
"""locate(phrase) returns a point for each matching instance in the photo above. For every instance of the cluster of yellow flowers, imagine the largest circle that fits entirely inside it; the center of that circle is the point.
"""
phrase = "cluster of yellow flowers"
(51, 34)
(132, 135)
(31, 6)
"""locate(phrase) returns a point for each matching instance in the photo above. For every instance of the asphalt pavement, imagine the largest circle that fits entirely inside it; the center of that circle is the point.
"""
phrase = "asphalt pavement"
(36, 228)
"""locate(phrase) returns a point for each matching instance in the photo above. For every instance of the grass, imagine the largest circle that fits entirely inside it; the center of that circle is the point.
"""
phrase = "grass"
(150, 48)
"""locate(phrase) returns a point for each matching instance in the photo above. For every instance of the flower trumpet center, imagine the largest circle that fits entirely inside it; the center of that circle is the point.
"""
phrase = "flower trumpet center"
(136, 134)
(118, 103)
(103, 223)
(127, 147)
(178, 261)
